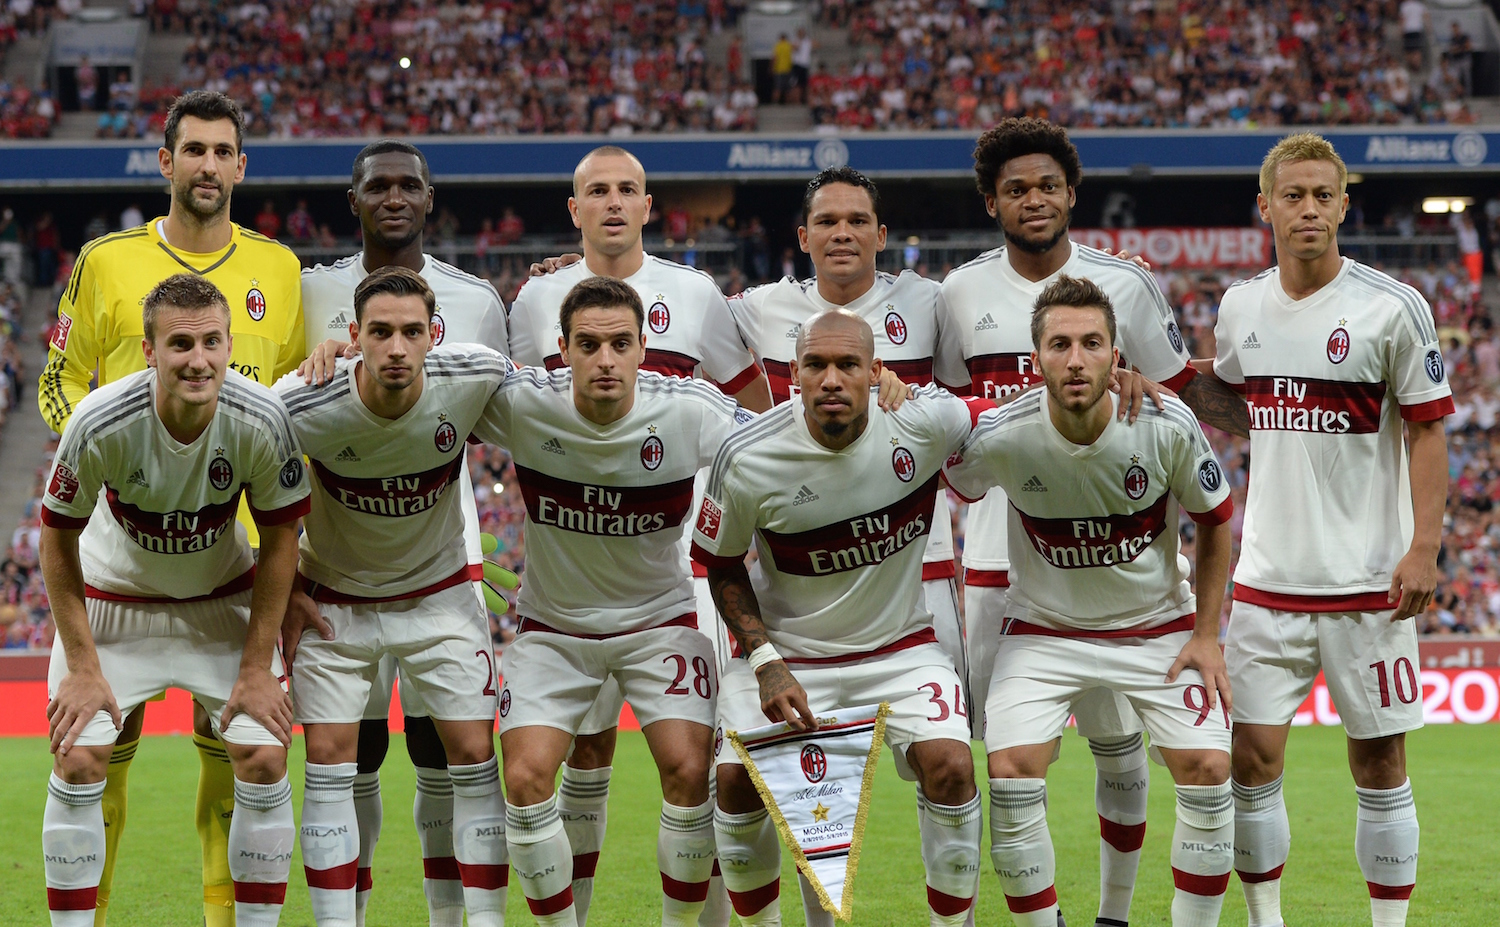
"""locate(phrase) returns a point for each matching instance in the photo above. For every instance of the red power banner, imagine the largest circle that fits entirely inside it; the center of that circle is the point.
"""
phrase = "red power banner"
(1186, 247)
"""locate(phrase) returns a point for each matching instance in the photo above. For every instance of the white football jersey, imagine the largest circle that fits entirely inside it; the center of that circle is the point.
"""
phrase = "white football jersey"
(902, 313)
(986, 348)
(839, 534)
(1329, 379)
(605, 505)
(160, 515)
(383, 521)
(1095, 526)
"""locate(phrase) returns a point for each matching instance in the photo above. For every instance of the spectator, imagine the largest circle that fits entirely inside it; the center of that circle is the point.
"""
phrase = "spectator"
(44, 246)
(781, 69)
(267, 222)
(511, 227)
(802, 60)
(300, 227)
(86, 77)
(1468, 245)
(1414, 19)
(131, 216)
(483, 242)
(11, 254)
(96, 227)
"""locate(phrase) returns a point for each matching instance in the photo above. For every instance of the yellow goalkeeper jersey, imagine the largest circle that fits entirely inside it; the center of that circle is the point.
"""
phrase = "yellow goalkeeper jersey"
(99, 331)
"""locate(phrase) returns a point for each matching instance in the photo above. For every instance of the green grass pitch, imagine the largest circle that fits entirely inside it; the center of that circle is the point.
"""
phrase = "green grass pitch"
(1452, 768)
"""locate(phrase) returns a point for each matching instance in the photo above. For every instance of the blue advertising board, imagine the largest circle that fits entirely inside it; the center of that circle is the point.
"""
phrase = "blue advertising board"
(29, 165)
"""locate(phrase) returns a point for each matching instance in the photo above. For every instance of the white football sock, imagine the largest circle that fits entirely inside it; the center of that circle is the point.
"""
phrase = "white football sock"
(479, 841)
(950, 854)
(1262, 843)
(432, 810)
(543, 861)
(716, 908)
(1021, 849)
(262, 836)
(73, 850)
(1122, 783)
(813, 912)
(330, 841)
(1202, 853)
(750, 859)
(685, 856)
(1386, 836)
(369, 813)
(583, 805)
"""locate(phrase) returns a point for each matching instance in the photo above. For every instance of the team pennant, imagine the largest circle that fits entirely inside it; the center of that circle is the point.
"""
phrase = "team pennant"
(816, 785)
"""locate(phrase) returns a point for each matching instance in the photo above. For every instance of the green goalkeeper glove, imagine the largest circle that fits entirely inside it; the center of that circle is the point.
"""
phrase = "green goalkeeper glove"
(496, 575)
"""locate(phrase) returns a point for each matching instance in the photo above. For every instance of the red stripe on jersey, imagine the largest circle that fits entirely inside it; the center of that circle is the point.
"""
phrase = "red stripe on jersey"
(966, 390)
(287, 513)
(554, 362)
(1251, 878)
(237, 585)
(917, 639)
(1184, 376)
(994, 579)
(669, 363)
(779, 376)
(1428, 411)
(608, 511)
(585, 865)
(480, 876)
(1127, 838)
(944, 905)
(393, 496)
(995, 376)
(73, 899)
(712, 561)
(699, 570)
(757, 899)
(1280, 601)
(739, 381)
(440, 868)
(1206, 885)
(468, 573)
(541, 907)
(339, 878)
(261, 892)
(1237, 387)
(1025, 904)
(364, 881)
(686, 892)
(690, 620)
(977, 407)
(63, 522)
(1220, 513)
(1095, 540)
(1314, 406)
(1391, 892)
(1017, 626)
(937, 570)
(175, 532)
(856, 541)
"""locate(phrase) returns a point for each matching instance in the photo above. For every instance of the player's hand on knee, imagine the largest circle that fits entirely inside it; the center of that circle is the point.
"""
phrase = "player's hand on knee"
(893, 392)
(1133, 389)
(257, 694)
(80, 696)
(1413, 585)
(1202, 653)
(301, 615)
(318, 368)
(552, 265)
(782, 697)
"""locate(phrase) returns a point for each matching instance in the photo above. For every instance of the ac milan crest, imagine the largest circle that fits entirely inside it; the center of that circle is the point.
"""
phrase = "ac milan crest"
(718, 739)
(814, 763)
(658, 317)
(445, 437)
(220, 473)
(1136, 481)
(904, 464)
(1338, 345)
(652, 452)
(895, 328)
(255, 303)
(438, 328)
(504, 701)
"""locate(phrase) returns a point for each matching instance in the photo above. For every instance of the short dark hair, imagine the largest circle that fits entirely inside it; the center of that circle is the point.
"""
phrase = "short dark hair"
(387, 146)
(599, 293)
(394, 280)
(846, 175)
(1018, 137)
(181, 291)
(1079, 292)
(208, 105)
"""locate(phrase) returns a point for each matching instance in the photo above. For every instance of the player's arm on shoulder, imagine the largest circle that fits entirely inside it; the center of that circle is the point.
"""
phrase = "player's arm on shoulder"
(972, 469)
(552, 265)
(84, 691)
(1214, 402)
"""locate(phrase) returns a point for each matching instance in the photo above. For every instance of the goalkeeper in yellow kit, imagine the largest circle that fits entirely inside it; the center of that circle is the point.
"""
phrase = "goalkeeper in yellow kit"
(98, 340)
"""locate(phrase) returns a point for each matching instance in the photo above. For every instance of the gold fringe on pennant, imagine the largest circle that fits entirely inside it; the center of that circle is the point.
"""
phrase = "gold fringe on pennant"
(845, 912)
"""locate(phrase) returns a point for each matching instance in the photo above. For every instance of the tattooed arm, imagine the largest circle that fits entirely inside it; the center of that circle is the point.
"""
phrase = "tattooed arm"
(1215, 403)
(781, 696)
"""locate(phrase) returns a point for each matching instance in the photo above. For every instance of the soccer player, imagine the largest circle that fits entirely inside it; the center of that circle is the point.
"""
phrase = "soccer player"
(1028, 172)
(606, 455)
(837, 497)
(99, 335)
(153, 584)
(691, 331)
(384, 557)
(1334, 359)
(1100, 599)
(392, 196)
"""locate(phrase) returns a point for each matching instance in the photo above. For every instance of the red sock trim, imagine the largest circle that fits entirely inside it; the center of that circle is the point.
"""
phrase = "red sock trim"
(364, 880)
(945, 905)
(1381, 892)
(489, 878)
(584, 865)
(73, 899)
(1126, 838)
(440, 868)
(336, 879)
(747, 903)
(686, 892)
(562, 901)
(1251, 878)
(260, 892)
(716, 873)
(1205, 885)
(1028, 903)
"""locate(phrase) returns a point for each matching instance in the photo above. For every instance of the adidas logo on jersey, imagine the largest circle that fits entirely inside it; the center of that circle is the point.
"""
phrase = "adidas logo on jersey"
(793, 332)
(986, 323)
(553, 447)
(1033, 485)
(347, 455)
(1250, 343)
(339, 322)
(138, 478)
(805, 495)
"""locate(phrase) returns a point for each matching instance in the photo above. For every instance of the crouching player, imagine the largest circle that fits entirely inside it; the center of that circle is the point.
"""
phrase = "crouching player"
(1100, 598)
(384, 559)
(838, 497)
(153, 584)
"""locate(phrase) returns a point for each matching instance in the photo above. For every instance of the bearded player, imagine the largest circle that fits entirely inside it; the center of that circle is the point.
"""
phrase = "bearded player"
(99, 335)
(153, 584)
(1336, 360)
(392, 196)
(1100, 600)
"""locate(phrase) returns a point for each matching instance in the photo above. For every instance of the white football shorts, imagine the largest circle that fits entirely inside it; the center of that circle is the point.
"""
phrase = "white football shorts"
(379, 706)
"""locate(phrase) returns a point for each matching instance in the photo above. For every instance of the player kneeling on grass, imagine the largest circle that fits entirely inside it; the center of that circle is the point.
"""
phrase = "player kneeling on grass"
(838, 496)
(161, 589)
(383, 558)
(1100, 599)
(605, 455)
